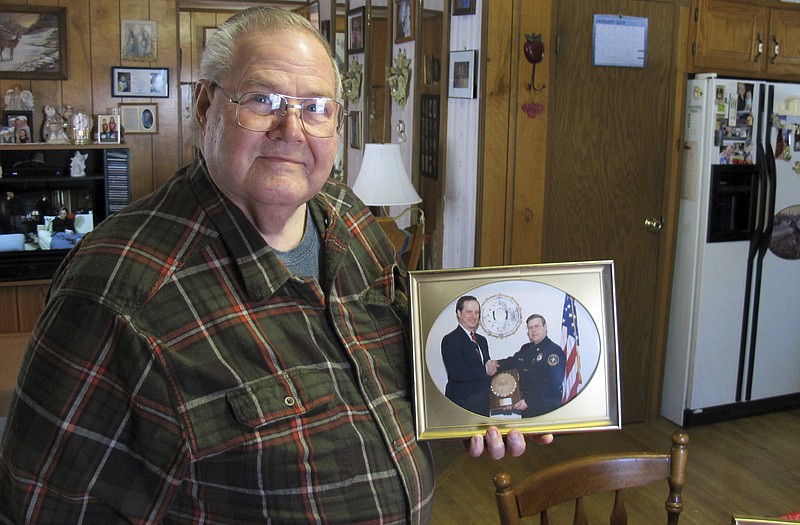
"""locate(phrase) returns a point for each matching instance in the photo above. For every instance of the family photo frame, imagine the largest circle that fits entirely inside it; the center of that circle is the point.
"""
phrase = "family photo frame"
(463, 7)
(404, 19)
(355, 30)
(20, 126)
(48, 27)
(147, 82)
(139, 118)
(462, 82)
(575, 305)
(139, 40)
(354, 129)
(108, 129)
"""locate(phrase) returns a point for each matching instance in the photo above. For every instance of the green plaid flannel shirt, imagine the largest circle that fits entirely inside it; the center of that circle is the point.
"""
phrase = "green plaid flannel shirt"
(179, 374)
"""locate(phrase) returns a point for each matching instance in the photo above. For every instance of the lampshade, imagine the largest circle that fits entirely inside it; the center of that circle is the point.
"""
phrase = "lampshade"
(383, 180)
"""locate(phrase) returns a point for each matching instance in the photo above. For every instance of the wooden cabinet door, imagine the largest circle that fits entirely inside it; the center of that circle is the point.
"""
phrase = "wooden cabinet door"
(783, 48)
(731, 37)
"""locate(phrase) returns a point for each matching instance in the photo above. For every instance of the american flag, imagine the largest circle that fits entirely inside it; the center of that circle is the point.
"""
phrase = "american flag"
(569, 343)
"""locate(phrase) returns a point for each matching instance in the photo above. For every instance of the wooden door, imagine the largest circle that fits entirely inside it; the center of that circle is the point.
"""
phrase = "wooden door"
(608, 158)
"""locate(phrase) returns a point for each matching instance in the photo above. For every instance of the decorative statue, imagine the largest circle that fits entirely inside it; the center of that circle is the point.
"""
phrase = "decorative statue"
(399, 78)
(53, 129)
(78, 164)
(18, 99)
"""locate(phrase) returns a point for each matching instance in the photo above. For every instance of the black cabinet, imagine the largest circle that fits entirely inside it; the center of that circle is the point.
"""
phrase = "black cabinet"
(36, 183)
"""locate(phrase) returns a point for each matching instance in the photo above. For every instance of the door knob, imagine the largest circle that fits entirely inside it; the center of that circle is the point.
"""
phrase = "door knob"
(653, 224)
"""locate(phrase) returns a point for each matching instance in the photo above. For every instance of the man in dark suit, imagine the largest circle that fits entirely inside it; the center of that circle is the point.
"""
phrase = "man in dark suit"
(466, 355)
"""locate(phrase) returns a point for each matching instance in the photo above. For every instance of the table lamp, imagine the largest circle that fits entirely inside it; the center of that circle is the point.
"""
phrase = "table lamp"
(384, 181)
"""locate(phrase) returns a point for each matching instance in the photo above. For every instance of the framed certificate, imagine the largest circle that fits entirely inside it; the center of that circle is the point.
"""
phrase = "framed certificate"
(531, 348)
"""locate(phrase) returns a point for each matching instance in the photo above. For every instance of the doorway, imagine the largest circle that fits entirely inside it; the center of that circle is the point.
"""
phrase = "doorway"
(609, 157)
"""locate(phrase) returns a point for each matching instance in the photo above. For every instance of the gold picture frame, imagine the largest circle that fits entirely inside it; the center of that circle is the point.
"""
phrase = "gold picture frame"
(757, 520)
(509, 296)
(139, 118)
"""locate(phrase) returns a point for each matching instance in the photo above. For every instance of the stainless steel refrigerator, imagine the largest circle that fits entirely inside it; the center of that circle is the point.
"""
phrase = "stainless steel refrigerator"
(733, 346)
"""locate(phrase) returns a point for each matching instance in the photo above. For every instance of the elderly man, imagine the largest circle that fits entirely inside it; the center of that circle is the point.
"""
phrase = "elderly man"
(231, 349)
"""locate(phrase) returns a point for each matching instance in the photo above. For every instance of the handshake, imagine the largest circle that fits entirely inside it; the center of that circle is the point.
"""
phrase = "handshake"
(491, 367)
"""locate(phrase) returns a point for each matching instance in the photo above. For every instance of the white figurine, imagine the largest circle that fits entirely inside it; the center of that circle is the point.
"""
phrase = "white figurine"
(78, 164)
(53, 130)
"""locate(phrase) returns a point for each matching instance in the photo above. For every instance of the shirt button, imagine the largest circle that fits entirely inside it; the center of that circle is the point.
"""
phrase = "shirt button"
(289, 401)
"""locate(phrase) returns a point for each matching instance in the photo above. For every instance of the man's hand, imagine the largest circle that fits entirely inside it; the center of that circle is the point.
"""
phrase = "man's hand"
(491, 367)
(494, 444)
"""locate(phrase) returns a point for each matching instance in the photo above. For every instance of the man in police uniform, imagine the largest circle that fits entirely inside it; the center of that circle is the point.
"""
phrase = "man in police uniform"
(541, 367)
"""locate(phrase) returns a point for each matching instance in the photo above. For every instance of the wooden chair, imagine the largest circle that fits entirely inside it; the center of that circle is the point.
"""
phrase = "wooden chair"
(407, 242)
(576, 478)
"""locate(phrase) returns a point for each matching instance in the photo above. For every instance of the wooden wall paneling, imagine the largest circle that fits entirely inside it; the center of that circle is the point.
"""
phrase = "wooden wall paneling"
(30, 302)
(79, 49)
(105, 53)
(494, 171)
(191, 44)
(12, 352)
(165, 152)
(45, 92)
(8, 309)
(530, 142)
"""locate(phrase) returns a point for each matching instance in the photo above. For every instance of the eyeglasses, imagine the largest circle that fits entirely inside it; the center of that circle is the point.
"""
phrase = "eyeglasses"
(257, 111)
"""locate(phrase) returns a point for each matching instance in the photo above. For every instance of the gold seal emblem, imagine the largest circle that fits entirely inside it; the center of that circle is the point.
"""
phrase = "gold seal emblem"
(504, 384)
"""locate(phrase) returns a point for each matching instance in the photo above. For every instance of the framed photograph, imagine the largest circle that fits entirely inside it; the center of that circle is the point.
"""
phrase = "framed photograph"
(404, 16)
(313, 14)
(107, 129)
(138, 40)
(463, 74)
(354, 127)
(150, 82)
(18, 125)
(463, 7)
(325, 29)
(755, 520)
(139, 118)
(356, 24)
(37, 49)
(208, 32)
(543, 335)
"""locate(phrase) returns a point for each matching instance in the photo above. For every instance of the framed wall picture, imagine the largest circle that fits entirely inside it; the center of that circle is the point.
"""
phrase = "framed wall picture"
(758, 520)
(19, 125)
(208, 32)
(525, 323)
(355, 30)
(463, 7)
(325, 29)
(139, 118)
(108, 129)
(139, 40)
(150, 82)
(404, 17)
(354, 129)
(463, 74)
(313, 14)
(42, 34)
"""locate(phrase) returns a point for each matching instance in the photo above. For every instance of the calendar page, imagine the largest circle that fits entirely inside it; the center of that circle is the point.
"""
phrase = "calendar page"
(619, 41)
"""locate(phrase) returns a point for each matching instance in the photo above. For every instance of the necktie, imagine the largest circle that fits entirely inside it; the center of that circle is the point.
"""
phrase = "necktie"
(477, 346)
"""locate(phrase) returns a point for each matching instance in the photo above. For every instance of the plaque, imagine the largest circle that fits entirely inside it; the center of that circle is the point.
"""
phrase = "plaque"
(504, 391)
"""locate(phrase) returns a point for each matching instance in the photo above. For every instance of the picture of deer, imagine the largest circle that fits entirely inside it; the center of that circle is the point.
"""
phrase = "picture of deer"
(8, 42)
